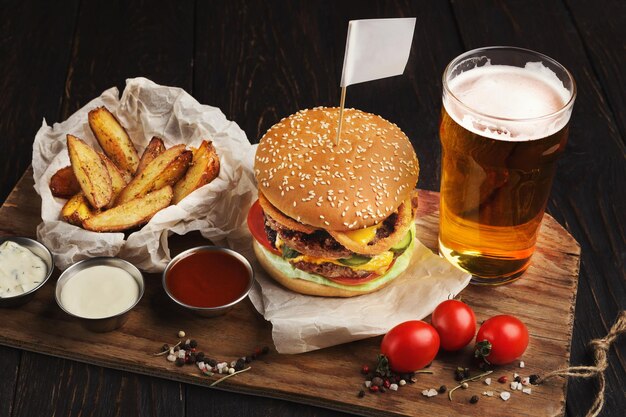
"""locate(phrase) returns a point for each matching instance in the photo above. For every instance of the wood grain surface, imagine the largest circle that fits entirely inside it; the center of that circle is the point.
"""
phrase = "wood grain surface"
(328, 377)
(260, 61)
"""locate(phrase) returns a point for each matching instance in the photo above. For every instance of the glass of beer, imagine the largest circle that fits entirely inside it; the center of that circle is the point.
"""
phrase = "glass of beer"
(504, 125)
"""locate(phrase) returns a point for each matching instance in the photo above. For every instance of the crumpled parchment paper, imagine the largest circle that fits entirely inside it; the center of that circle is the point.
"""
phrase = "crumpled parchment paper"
(218, 210)
(301, 323)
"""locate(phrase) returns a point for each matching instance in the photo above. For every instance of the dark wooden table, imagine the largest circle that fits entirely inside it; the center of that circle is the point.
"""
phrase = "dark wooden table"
(260, 61)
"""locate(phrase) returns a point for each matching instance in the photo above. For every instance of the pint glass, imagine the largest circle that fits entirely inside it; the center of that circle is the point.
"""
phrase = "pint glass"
(503, 126)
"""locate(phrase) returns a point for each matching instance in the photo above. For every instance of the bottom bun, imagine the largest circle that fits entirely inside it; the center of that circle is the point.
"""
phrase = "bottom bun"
(292, 278)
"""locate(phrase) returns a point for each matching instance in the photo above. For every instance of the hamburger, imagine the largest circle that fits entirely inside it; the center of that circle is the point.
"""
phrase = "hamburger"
(334, 219)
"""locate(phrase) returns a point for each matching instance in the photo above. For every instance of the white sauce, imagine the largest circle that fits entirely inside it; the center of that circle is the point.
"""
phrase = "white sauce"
(99, 291)
(20, 269)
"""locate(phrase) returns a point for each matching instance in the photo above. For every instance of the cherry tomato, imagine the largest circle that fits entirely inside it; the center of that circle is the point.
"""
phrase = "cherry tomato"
(501, 340)
(410, 346)
(456, 324)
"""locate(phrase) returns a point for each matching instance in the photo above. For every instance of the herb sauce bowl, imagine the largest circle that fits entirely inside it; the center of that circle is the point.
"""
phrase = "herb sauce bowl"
(42, 252)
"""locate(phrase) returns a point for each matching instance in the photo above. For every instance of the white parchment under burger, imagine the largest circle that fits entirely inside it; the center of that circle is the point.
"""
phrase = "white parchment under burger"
(218, 210)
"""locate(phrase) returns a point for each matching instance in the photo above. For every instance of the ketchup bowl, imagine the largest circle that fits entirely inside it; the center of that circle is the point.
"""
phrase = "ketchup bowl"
(208, 280)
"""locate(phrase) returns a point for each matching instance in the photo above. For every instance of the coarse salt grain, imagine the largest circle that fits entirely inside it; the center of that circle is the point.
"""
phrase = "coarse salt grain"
(515, 375)
(527, 391)
(425, 393)
(181, 354)
(526, 381)
(522, 364)
(171, 358)
(514, 385)
(505, 395)
(519, 386)
(432, 392)
(487, 381)
(368, 384)
(393, 387)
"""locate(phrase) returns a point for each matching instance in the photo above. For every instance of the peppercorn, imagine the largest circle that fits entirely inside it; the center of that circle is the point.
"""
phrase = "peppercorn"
(365, 369)
(374, 388)
(386, 383)
(180, 361)
(503, 379)
(534, 379)
(199, 356)
(193, 343)
(378, 381)
(466, 373)
(247, 359)
(442, 389)
(458, 376)
(474, 399)
(192, 358)
(381, 389)
(518, 379)
(212, 363)
(361, 394)
(240, 364)
(165, 347)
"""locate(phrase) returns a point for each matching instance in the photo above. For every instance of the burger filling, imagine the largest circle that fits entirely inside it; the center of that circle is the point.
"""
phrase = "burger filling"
(320, 253)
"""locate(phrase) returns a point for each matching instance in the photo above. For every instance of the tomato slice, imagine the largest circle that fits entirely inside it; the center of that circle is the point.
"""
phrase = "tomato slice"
(256, 224)
(354, 281)
(358, 281)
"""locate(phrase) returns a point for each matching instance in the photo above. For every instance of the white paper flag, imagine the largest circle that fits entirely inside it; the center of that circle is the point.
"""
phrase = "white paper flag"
(376, 48)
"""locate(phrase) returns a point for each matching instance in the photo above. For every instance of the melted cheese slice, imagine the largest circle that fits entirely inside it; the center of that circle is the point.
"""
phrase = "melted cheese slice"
(378, 263)
(363, 236)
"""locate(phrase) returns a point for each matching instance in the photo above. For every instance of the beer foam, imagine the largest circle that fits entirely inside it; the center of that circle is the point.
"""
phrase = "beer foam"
(496, 92)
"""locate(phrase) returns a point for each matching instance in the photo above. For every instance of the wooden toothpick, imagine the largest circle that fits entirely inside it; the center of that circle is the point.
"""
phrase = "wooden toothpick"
(341, 106)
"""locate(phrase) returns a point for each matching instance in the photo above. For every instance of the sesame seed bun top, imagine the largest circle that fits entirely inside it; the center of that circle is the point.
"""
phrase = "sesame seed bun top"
(355, 184)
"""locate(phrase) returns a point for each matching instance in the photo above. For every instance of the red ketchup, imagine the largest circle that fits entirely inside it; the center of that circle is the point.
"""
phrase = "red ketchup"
(207, 279)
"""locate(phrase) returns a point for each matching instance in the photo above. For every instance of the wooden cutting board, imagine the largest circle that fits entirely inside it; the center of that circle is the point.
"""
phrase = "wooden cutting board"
(543, 298)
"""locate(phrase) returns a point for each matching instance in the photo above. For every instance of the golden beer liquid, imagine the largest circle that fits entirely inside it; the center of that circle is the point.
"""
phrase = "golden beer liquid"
(493, 195)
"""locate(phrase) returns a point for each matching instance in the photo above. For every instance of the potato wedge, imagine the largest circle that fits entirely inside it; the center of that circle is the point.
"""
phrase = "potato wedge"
(63, 183)
(118, 179)
(90, 171)
(204, 168)
(131, 214)
(113, 139)
(76, 210)
(154, 149)
(165, 169)
(174, 171)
